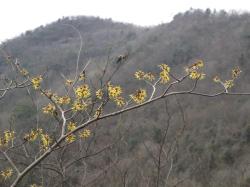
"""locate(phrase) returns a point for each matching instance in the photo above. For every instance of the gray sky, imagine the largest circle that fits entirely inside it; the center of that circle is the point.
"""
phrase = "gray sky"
(17, 16)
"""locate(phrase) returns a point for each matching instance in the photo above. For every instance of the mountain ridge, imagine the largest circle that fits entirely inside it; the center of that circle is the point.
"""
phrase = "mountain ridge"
(213, 150)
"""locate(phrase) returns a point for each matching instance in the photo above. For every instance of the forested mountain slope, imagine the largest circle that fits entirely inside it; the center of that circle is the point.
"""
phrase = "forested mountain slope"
(213, 149)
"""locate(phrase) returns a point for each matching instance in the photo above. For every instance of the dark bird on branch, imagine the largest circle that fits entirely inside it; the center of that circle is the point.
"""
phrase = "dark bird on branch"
(121, 58)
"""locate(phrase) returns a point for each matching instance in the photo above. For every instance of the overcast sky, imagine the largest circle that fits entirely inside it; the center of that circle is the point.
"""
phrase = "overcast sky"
(17, 16)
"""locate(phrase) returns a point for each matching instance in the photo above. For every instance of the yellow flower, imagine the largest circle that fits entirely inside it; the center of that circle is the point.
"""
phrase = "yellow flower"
(49, 109)
(70, 138)
(149, 76)
(229, 84)
(236, 72)
(36, 81)
(32, 136)
(139, 75)
(55, 98)
(85, 133)
(99, 94)
(82, 76)
(7, 173)
(78, 106)
(193, 70)
(71, 126)
(119, 101)
(196, 75)
(114, 91)
(45, 141)
(82, 91)
(199, 63)
(98, 112)
(165, 67)
(64, 100)
(164, 76)
(69, 82)
(47, 93)
(3, 142)
(24, 72)
(139, 96)
(9, 135)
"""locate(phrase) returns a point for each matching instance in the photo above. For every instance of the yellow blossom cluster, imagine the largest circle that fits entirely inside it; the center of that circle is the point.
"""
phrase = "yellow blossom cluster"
(120, 101)
(194, 72)
(82, 76)
(149, 76)
(24, 72)
(36, 81)
(8, 136)
(53, 96)
(229, 83)
(139, 96)
(82, 91)
(98, 112)
(164, 67)
(85, 133)
(114, 93)
(70, 138)
(164, 74)
(32, 136)
(7, 173)
(79, 105)
(99, 94)
(47, 93)
(64, 100)
(45, 141)
(198, 64)
(69, 82)
(140, 75)
(71, 126)
(49, 109)
(236, 72)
